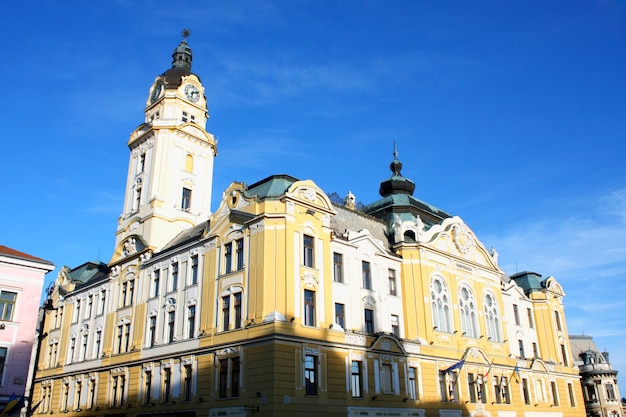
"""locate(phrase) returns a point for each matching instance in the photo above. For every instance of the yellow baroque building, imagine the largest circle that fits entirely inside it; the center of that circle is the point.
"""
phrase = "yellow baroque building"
(285, 303)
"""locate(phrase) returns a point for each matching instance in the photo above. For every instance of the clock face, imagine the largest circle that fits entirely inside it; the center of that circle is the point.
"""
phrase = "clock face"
(192, 92)
(156, 92)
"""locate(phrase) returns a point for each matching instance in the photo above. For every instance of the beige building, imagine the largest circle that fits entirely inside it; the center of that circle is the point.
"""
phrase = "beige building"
(285, 303)
(598, 378)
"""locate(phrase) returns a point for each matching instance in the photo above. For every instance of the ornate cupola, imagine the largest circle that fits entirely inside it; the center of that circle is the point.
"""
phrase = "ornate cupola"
(182, 54)
(398, 205)
(397, 184)
(170, 172)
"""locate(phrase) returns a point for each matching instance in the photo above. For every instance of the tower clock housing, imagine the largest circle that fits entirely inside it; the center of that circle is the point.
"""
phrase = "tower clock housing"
(170, 172)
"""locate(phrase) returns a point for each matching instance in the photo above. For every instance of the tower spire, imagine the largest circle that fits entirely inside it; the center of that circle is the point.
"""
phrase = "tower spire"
(181, 57)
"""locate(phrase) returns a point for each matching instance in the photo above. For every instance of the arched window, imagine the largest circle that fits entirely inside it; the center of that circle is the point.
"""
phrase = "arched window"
(440, 303)
(467, 307)
(189, 163)
(492, 318)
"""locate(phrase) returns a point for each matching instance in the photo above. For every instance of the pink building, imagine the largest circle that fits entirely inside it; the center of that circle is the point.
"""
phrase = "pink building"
(21, 282)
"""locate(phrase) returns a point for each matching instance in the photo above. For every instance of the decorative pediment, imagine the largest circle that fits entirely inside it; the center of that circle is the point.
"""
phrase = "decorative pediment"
(454, 237)
(388, 344)
(309, 194)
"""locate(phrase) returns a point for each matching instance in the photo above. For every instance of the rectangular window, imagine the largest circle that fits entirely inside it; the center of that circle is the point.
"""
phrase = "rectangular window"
(535, 350)
(152, 331)
(504, 388)
(142, 162)
(369, 321)
(531, 322)
(234, 376)
(356, 381)
(185, 117)
(137, 199)
(78, 388)
(392, 282)
(147, 390)
(557, 319)
(117, 392)
(610, 393)
(413, 388)
(309, 251)
(471, 385)
(564, 354)
(525, 392)
(78, 302)
(340, 318)
(225, 313)
(516, 314)
(520, 344)
(228, 258)
(167, 385)
(185, 203)
(171, 321)
(572, 397)
(174, 277)
(89, 306)
(194, 270)
(240, 263)
(310, 374)
(237, 310)
(386, 378)
(91, 401)
(187, 383)
(191, 321)
(309, 308)
(590, 391)
(337, 267)
(97, 344)
(444, 391)
(229, 371)
(223, 374)
(367, 278)
(103, 299)
(497, 389)
(156, 280)
(555, 393)
(66, 396)
(395, 325)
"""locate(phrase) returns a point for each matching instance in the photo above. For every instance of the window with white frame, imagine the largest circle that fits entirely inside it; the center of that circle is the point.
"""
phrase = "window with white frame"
(492, 318)
(467, 310)
(308, 251)
(356, 379)
(309, 308)
(440, 305)
(413, 388)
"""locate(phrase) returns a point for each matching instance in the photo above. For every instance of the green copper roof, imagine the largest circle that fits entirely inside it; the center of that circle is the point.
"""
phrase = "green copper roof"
(273, 186)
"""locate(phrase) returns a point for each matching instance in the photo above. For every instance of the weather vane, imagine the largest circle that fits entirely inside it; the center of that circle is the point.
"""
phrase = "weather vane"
(186, 32)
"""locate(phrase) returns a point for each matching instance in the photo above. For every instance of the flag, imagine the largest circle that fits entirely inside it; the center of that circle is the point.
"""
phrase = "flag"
(457, 365)
(488, 370)
(11, 405)
(515, 374)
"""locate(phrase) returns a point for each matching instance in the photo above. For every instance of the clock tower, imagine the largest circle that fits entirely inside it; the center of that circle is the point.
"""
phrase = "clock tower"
(170, 172)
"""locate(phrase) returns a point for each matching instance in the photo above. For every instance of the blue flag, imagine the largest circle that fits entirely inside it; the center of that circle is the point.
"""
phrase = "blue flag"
(11, 405)
(457, 365)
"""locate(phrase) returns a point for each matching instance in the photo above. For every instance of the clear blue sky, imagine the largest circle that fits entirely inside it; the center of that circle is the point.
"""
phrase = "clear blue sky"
(509, 114)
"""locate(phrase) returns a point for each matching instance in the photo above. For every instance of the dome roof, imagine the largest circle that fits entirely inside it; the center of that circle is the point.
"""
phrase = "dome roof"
(181, 64)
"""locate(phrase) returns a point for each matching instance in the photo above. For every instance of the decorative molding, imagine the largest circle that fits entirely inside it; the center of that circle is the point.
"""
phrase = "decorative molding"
(463, 238)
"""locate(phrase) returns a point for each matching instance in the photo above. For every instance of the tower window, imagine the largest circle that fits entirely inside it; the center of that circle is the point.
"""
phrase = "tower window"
(189, 163)
(308, 251)
(185, 116)
(186, 199)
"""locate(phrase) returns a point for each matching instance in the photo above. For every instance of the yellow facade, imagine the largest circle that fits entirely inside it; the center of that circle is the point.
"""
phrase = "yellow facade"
(283, 303)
